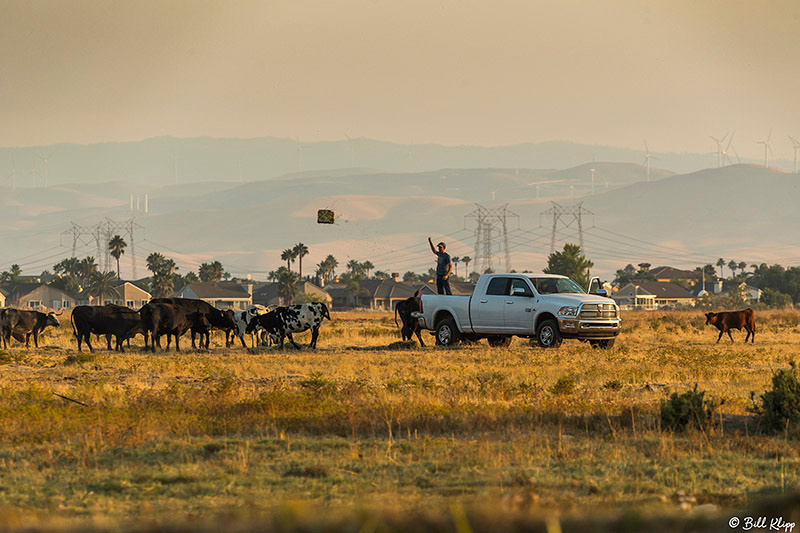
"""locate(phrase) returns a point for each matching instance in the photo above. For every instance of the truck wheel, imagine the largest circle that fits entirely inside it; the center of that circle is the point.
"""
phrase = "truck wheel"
(500, 341)
(447, 332)
(603, 343)
(547, 334)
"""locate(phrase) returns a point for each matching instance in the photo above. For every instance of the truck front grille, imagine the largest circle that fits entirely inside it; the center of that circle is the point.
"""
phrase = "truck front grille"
(598, 311)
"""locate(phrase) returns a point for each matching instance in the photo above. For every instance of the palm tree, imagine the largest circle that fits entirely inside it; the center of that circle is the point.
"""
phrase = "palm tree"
(455, 261)
(11, 275)
(155, 262)
(287, 285)
(102, 284)
(288, 255)
(68, 267)
(330, 267)
(742, 266)
(466, 259)
(367, 266)
(300, 251)
(733, 265)
(87, 268)
(164, 271)
(163, 278)
(213, 271)
(720, 264)
(116, 247)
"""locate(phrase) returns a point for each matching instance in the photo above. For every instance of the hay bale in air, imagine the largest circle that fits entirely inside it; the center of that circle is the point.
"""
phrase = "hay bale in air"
(325, 216)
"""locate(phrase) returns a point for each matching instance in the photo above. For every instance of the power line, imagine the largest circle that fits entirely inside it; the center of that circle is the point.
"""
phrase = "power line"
(489, 221)
(566, 215)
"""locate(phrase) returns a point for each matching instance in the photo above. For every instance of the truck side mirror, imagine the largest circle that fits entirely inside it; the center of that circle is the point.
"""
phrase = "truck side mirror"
(519, 291)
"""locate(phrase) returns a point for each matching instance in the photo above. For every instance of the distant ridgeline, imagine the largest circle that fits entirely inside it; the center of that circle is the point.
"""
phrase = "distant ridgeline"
(163, 160)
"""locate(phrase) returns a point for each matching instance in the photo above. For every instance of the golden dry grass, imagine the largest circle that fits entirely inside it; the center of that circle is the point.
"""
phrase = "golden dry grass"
(365, 420)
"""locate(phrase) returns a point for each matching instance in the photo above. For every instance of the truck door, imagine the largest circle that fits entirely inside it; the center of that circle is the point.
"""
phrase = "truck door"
(518, 308)
(488, 309)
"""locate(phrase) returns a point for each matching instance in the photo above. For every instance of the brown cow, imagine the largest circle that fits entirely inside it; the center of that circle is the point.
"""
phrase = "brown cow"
(728, 320)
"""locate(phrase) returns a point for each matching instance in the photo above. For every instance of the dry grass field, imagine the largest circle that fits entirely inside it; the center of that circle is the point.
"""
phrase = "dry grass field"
(366, 422)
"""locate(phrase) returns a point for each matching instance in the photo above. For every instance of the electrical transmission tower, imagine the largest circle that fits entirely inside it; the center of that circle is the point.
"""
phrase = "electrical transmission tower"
(567, 216)
(491, 222)
(100, 234)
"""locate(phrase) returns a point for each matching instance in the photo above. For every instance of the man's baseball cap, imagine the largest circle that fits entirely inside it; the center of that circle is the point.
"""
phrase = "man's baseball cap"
(441, 244)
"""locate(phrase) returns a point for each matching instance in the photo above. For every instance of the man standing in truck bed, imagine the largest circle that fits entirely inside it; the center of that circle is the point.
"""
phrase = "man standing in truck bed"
(443, 268)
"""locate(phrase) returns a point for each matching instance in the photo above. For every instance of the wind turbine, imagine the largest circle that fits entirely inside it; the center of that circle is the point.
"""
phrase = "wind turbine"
(766, 147)
(352, 151)
(299, 153)
(719, 147)
(592, 170)
(45, 159)
(13, 174)
(174, 164)
(728, 147)
(409, 154)
(647, 158)
(795, 146)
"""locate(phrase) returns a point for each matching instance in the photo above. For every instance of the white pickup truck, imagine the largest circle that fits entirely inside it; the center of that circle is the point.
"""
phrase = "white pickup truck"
(545, 306)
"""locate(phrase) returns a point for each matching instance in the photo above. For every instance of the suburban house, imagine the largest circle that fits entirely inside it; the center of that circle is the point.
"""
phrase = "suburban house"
(3, 296)
(37, 295)
(652, 295)
(124, 293)
(749, 292)
(667, 273)
(267, 294)
(375, 293)
(220, 294)
(384, 294)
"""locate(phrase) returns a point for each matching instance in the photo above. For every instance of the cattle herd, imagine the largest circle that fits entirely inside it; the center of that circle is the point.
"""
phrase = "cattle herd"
(174, 317)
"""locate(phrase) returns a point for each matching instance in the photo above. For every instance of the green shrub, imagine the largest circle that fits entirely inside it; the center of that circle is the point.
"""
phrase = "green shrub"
(564, 386)
(79, 357)
(6, 358)
(691, 407)
(780, 407)
(317, 383)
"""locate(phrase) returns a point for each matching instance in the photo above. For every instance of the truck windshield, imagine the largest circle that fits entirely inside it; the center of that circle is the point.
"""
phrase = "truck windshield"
(556, 286)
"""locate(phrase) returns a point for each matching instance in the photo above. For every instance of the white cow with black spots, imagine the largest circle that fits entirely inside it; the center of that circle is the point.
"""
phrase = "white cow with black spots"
(243, 318)
(284, 321)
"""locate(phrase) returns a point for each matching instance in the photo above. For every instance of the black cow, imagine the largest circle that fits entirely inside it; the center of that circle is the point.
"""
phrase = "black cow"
(121, 322)
(23, 322)
(725, 321)
(168, 319)
(284, 321)
(410, 324)
(218, 319)
(3, 325)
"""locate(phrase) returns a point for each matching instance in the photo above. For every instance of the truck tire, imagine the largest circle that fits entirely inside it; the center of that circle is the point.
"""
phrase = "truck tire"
(603, 343)
(447, 332)
(500, 341)
(547, 334)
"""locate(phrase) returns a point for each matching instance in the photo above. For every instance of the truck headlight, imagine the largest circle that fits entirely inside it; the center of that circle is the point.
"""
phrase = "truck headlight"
(568, 311)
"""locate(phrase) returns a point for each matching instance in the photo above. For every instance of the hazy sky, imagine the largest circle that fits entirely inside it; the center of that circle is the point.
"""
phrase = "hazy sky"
(451, 72)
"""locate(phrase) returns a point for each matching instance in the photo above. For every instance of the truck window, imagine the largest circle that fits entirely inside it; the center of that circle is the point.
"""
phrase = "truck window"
(517, 283)
(556, 286)
(498, 287)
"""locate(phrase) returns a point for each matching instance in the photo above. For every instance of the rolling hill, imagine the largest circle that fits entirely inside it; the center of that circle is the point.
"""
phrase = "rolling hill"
(740, 212)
